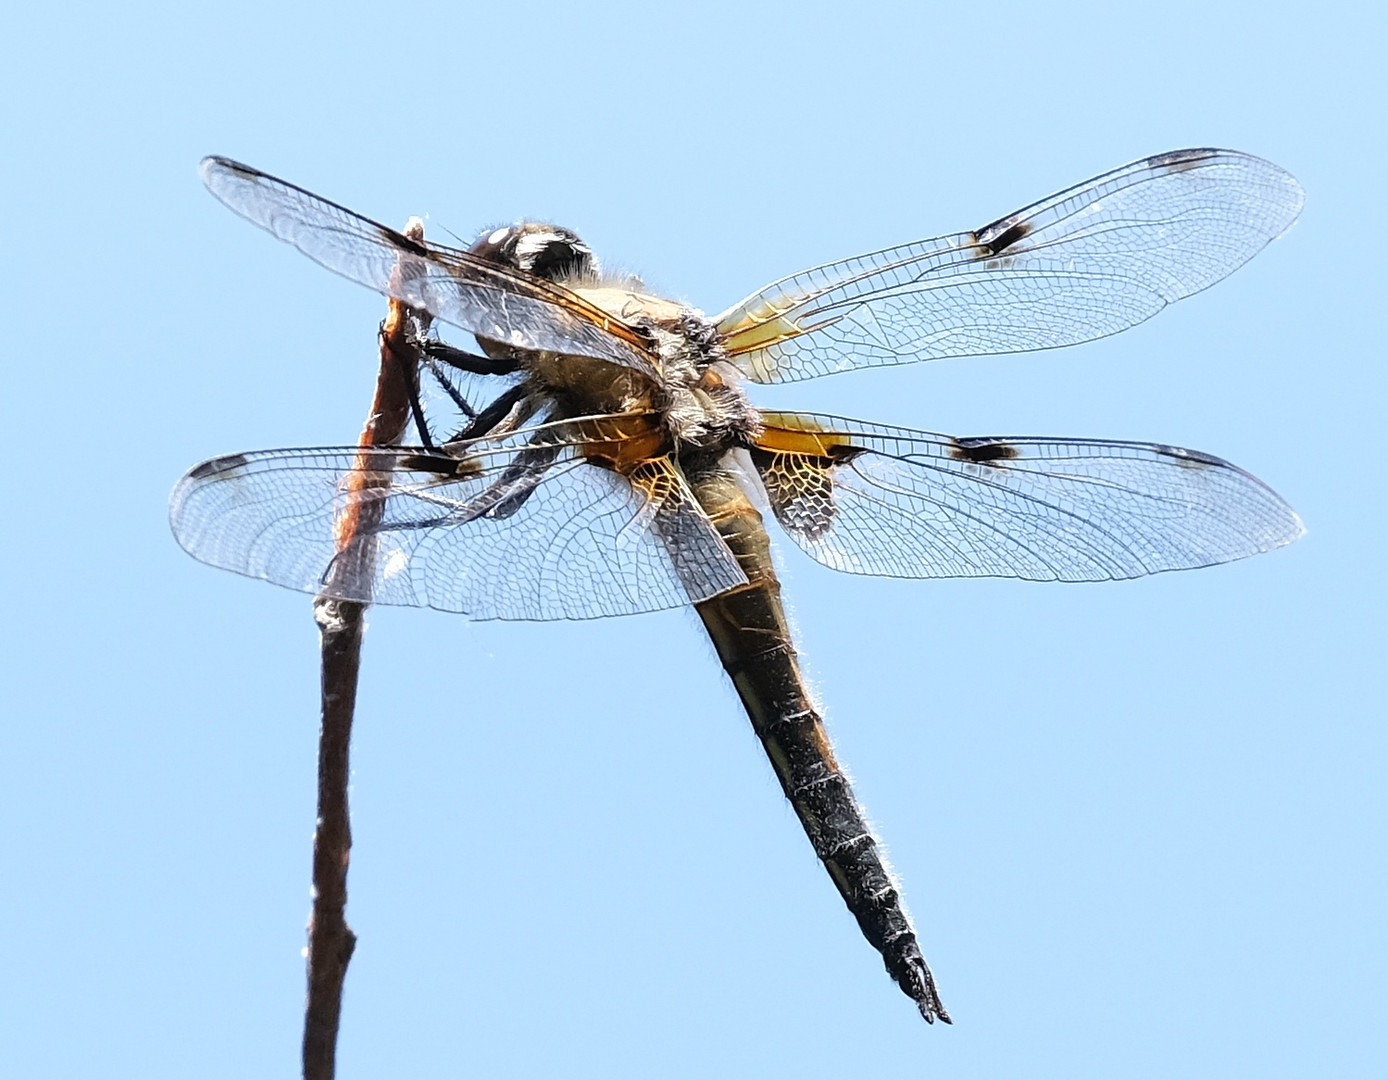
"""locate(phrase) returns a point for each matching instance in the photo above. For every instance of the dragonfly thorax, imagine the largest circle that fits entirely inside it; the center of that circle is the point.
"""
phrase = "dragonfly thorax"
(696, 393)
(701, 400)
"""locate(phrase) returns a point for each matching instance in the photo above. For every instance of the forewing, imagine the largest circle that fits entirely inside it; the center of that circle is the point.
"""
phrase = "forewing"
(1082, 264)
(870, 499)
(509, 530)
(487, 299)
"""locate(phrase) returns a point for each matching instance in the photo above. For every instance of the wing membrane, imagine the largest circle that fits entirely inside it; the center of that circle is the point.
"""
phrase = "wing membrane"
(1087, 262)
(871, 499)
(482, 297)
(509, 529)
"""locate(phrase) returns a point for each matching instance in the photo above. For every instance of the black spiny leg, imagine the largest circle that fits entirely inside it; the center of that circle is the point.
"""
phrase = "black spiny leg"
(434, 353)
(466, 361)
(410, 361)
(417, 411)
(493, 414)
(446, 384)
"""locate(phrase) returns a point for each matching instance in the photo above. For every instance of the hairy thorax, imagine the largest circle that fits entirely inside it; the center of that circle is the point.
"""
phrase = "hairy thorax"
(691, 394)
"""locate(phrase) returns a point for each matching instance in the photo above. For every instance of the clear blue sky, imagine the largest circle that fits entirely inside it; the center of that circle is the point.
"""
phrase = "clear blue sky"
(1140, 825)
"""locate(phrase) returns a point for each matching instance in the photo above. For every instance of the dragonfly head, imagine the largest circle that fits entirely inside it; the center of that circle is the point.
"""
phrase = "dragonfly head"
(547, 251)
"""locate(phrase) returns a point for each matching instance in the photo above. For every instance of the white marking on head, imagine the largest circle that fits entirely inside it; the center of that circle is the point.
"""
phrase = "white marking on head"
(499, 235)
(531, 244)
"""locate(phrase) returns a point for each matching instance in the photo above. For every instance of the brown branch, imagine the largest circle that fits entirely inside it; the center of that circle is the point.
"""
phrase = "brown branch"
(340, 624)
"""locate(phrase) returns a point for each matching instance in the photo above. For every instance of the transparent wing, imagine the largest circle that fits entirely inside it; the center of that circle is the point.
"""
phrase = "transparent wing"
(482, 297)
(517, 528)
(870, 499)
(1087, 262)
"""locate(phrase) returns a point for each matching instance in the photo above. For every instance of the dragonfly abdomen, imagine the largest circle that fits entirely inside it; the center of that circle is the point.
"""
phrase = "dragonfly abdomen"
(750, 631)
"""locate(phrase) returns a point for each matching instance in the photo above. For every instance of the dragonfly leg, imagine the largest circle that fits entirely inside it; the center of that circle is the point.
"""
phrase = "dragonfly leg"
(469, 362)
(408, 356)
(446, 384)
(417, 412)
(484, 421)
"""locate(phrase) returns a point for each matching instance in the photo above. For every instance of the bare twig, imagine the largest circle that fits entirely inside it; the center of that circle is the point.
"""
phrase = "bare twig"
(340, 623)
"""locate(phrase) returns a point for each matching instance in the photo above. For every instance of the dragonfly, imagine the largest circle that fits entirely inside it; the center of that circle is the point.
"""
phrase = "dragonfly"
(612, 462)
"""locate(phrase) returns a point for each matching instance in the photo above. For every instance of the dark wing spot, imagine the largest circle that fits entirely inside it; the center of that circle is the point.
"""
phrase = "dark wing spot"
(842, 453)
(400, 240)
(218, 466)
(1181, 160)
(996, 238)
(982, 451)
(243, 171)
(1191, 459)
(439, 465)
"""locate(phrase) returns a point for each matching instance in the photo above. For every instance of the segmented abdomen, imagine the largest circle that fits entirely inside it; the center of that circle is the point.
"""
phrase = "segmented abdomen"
(750, 631)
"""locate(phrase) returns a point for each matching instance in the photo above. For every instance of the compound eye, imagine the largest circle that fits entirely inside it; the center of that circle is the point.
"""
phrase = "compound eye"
(497, 245)
(553, 255)
(546, 251)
